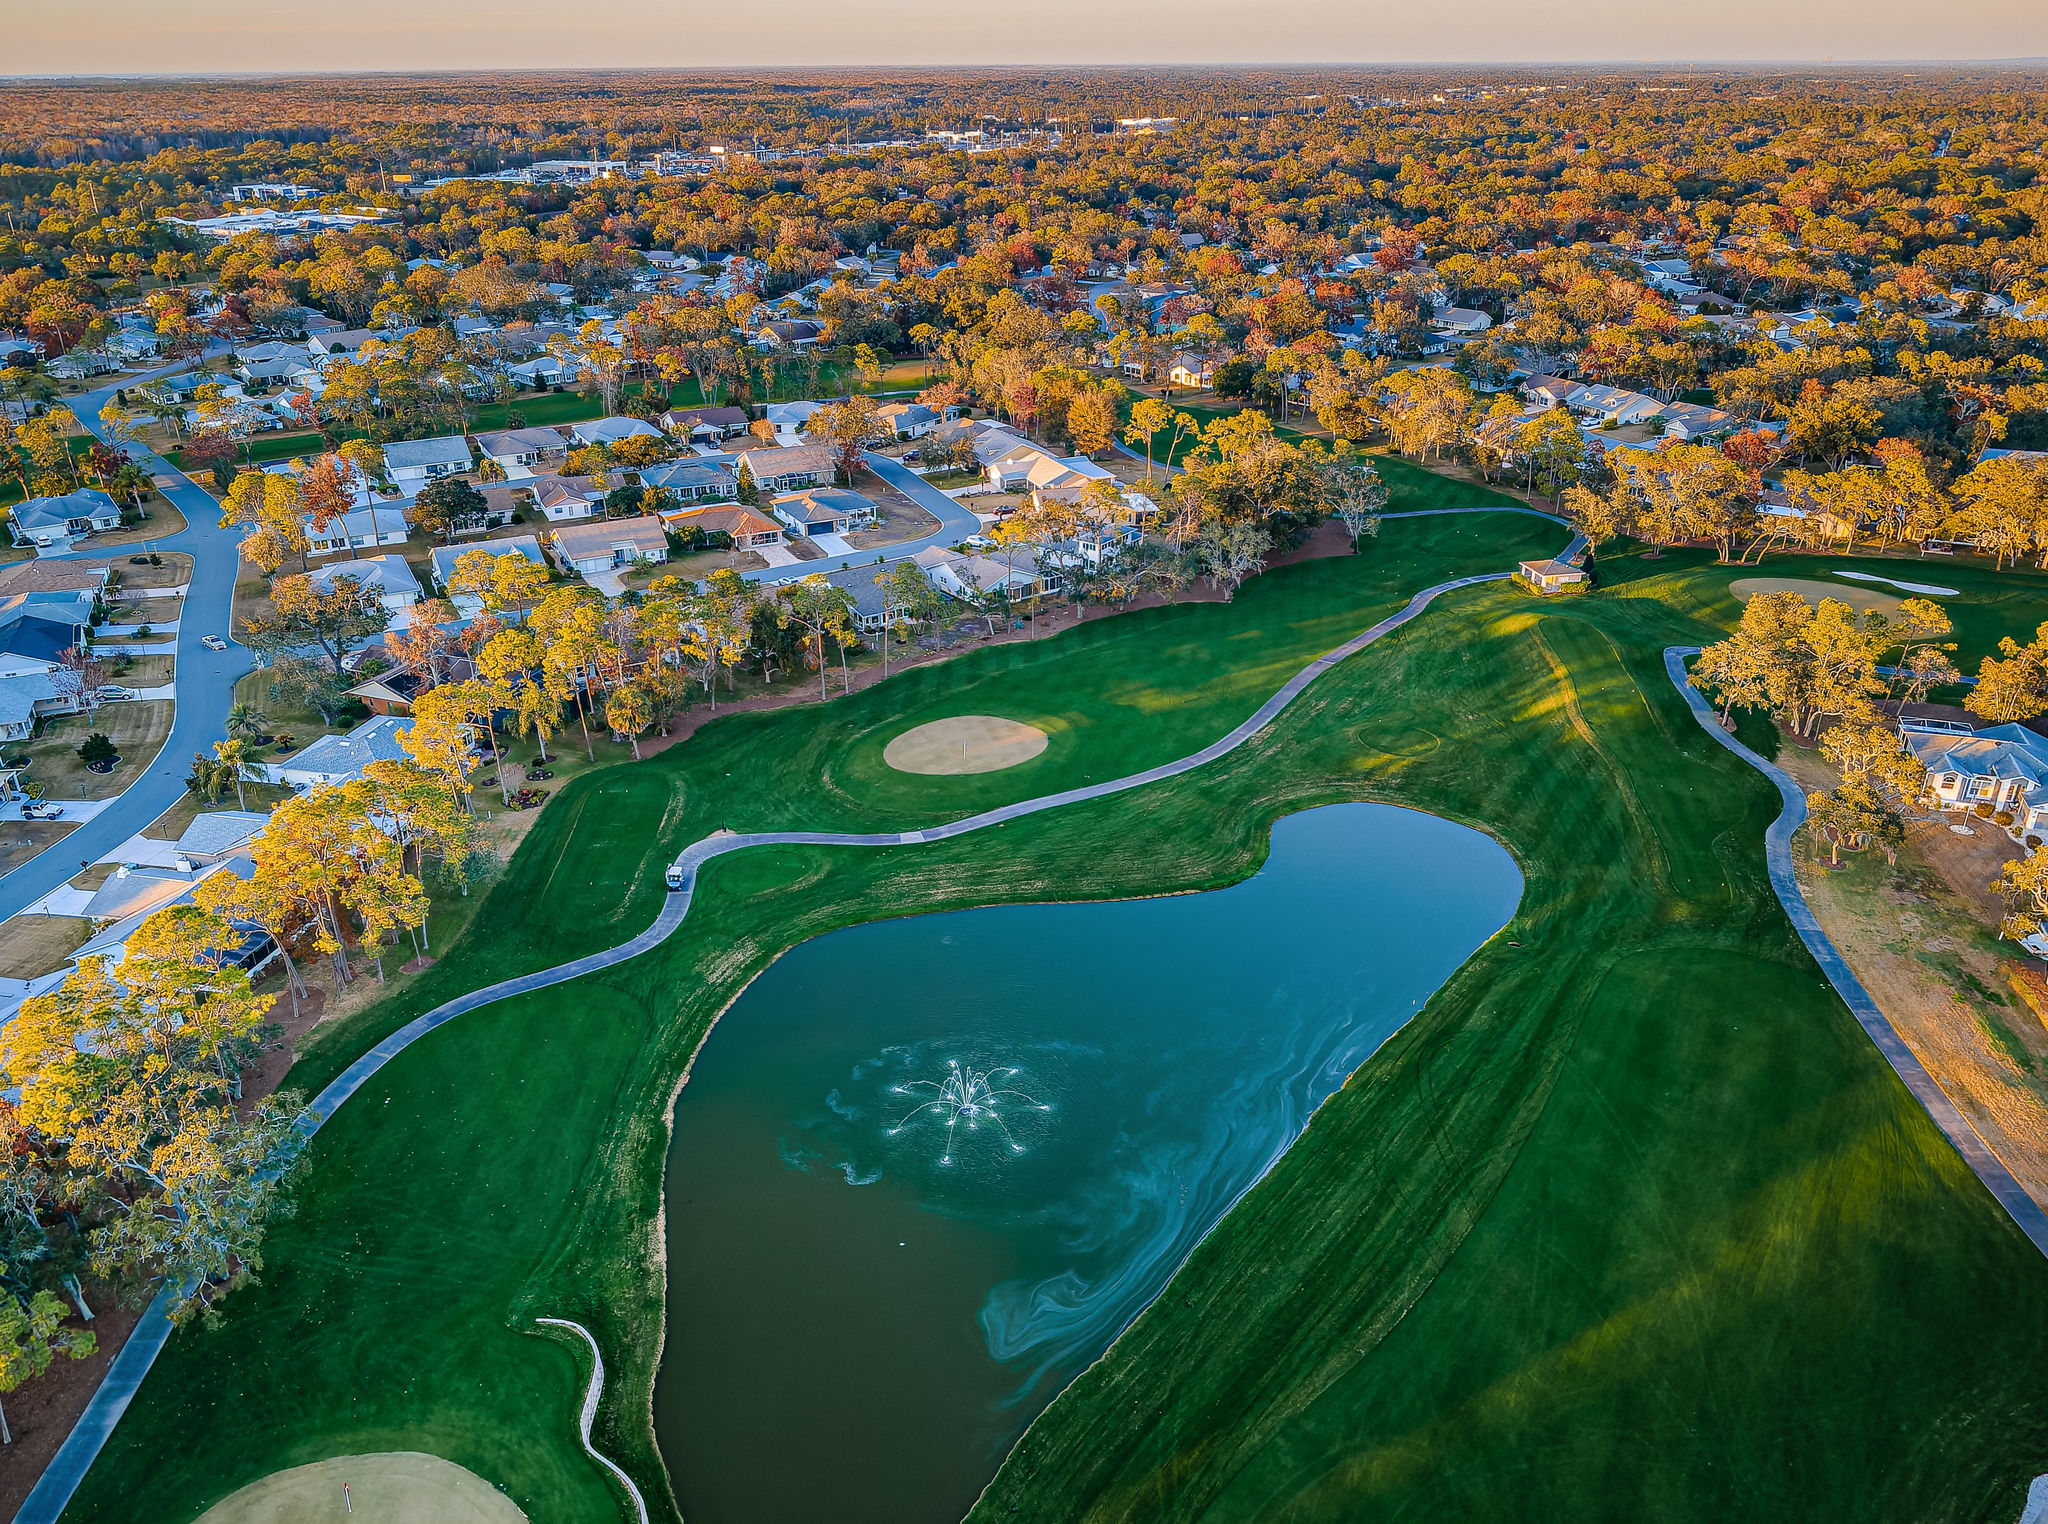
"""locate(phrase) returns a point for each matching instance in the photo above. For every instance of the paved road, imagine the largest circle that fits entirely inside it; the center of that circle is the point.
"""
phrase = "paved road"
(205, 679)
(955, 524)
(124, 1377)
(1997, 1179)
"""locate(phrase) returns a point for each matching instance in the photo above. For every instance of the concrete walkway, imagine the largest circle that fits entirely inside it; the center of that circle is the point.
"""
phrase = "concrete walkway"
(2022, 1208)
(124, 1377)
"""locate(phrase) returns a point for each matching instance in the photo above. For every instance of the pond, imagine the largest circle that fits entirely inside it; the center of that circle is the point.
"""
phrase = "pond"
(925, 1170)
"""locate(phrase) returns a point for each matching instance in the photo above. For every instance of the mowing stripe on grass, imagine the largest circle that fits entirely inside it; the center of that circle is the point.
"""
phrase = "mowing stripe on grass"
(67, 1469)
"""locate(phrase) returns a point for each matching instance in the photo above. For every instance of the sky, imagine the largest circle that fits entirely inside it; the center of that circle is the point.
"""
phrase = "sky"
(210, 36)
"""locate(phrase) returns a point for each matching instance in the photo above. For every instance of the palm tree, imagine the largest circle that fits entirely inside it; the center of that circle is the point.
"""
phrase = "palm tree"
(231, 756)
(246, 721)
(206, 779)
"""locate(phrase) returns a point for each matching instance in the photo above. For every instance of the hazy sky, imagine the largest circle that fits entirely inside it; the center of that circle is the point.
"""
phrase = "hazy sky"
(176, 36)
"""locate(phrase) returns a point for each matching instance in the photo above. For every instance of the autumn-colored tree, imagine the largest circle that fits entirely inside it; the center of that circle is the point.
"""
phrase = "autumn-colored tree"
(333, 620)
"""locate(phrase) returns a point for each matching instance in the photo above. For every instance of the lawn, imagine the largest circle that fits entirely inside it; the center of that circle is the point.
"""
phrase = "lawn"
(1631, 1221)
(137, 729)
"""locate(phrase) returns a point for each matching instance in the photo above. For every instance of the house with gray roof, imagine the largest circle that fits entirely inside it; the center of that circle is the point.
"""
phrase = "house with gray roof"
(693, 481)
(411, 462)
(53, 524)
(609, 431)
(389, 578)
(520, 450)
(824, 510)
(340, 759)
(361, 529)
(2004, 767)
(214, 834)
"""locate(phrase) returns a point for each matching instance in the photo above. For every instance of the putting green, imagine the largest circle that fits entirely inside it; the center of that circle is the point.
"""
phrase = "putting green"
(395, 1487)
(1864, 600)
(967, 743)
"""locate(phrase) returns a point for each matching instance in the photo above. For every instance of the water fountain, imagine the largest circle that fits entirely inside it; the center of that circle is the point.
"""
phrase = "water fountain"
(970, 1096)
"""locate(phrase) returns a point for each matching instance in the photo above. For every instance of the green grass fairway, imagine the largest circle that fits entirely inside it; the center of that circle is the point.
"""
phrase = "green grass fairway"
(1630, 1224)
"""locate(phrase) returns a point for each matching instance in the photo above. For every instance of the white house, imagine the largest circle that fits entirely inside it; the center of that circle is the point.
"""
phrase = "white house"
(389, 577)
(908, 420)
(53, 524)
(968, 577)
(607, 545)
(789, 469)
(1461, 320)
(608, 431)
(2003, 767)
(340, 759)
(360, 529)
(1613, 404)
(411, 462)
(1191, 370)
(824, 510)
(517, 451)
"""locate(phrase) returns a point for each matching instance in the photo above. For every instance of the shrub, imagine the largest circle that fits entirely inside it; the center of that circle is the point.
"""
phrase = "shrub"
(97, 748)
(2003, 817)
(2033, 843)
(1982, 811)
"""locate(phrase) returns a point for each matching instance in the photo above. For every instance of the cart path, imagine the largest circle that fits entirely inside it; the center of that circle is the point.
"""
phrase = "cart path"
(124, 1377)
(2021, 1207)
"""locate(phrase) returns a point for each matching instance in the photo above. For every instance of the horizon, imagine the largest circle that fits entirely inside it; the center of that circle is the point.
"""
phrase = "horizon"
(206, 38)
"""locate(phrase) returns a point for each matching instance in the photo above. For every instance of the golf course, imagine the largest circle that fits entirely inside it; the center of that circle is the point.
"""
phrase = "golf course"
(1629, 1222)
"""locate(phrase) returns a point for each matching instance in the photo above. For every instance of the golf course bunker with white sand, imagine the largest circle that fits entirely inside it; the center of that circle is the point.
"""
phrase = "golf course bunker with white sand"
(1864, 600)
(967, 743)
(394, 1487)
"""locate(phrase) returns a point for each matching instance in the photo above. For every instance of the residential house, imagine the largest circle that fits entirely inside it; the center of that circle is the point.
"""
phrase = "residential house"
(2004, 767)
(790, 417)
(743, 527)
(360, 529)
(611, 431)
(1614, 404)
(968, 577)
(218, 834)
(873, 610)
(518, 451)
(1687, 421)
(557, 499)
(339, 759)
(411, 462)
(544, 371)
(1461, 320)
(444, 557)
(789, 469)
(1550, 391)
(824, 510)
(789, 333)
(1062, 478)
(1008, 460)
(54, 524)
(343, 342)
(1190, 369)
(390, 692)
(692, 481)
(45, 577)
(607, 545)
(391, 578)
(26, 697)
(704, 424)
(908, 420)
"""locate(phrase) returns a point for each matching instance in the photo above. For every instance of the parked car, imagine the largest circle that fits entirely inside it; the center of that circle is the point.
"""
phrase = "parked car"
(41, 811)
(113, 693)
(213, 643)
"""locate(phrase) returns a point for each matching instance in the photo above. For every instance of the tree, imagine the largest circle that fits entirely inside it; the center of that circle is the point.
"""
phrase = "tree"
(822, 610)
(233, 757)
(448, 504)
(98, 752)
(1148, 416)
(334, 619)
(500, 580)
(850, 428)
(908, 600)
(629, 713)
(2013, 686)
(1230, 551)
(31, 1337)
(1092, 419)
(1357, 494)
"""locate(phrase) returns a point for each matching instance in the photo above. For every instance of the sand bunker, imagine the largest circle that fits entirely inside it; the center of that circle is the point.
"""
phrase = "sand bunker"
(1865, 599)
(968, 743)
(396, 1487)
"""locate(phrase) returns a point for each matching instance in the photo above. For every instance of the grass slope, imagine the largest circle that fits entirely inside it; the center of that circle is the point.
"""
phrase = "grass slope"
(1631, 1222)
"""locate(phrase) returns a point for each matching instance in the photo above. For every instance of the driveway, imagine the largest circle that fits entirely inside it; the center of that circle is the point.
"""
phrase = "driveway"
(955, 524)
(204, 685)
